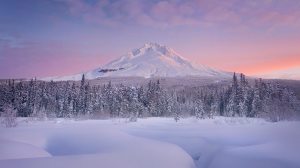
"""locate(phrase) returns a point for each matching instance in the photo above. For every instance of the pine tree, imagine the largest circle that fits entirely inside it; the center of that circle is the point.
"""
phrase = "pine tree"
(88, 106)
(66, 101)
(9, 116)
(199, 109)
(232, 106)
(256, 103)
(73, 101)
(21, 99)
(30, 97)
(81, 96)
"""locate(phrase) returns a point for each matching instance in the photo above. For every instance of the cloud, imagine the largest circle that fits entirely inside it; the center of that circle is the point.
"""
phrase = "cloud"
(10, 41)
(275, 18)
(170, 13)
(222, 15)
(147, 13)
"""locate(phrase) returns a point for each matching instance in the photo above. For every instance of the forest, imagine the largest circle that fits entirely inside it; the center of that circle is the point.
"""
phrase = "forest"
(68, 99)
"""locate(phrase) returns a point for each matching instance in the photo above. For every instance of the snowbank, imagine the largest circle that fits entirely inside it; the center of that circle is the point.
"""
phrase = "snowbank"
(85, 144)
(152, 142)
(227, 142)
(15, 150)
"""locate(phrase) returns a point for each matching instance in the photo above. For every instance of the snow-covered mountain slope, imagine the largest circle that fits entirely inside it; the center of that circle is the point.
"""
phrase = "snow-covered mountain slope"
(151, 60)
(290, 73)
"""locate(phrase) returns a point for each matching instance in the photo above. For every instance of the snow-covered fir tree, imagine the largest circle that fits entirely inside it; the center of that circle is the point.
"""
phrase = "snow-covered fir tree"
(72, 100)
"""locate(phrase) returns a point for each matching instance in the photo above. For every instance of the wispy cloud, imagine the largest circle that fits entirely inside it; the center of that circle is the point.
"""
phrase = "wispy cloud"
(10, 41)
(169, 13)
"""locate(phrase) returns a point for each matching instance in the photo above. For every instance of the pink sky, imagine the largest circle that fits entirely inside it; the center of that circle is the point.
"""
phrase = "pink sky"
(50, 38)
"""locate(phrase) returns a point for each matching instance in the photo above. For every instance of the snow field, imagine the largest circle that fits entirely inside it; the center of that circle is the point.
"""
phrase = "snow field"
(85, 144)
(152, 142)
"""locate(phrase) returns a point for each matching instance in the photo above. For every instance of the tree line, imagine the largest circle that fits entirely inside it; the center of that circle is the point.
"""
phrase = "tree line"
(81, 100)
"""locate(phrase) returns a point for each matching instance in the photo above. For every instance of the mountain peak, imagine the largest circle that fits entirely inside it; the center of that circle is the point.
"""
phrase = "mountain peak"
(152, 45)
(152, 49)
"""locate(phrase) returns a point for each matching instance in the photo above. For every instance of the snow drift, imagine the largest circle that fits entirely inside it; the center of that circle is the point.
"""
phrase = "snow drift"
(152, 142)
(85, 144)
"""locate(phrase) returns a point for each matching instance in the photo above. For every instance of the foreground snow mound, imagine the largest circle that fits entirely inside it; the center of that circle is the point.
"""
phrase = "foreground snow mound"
(87, 144)
(15, 150)
(151, 60)
(152, 142)
(228, 142)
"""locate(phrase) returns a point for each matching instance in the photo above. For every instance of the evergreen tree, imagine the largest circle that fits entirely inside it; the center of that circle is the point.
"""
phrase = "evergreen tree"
(199, 109)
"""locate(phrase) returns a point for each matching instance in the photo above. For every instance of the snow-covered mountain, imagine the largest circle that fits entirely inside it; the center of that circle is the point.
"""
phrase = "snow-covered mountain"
(290, 73)
(151, 60)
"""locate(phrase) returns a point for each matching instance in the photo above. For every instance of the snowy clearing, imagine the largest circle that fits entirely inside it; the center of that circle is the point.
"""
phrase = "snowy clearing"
(152, 142)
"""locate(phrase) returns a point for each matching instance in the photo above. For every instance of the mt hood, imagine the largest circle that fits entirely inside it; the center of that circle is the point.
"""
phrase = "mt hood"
(151, 60)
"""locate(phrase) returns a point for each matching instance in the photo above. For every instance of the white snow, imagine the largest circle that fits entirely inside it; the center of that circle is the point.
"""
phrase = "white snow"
(151, 60)
(152, 142)
(14, 150)
(85, 144)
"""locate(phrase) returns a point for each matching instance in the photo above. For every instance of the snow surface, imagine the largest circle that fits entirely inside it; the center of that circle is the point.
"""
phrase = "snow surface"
(151, 60)
(152, 142)
(85, 144)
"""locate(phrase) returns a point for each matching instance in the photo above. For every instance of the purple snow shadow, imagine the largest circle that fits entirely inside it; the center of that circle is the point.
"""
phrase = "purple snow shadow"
(77, 144)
